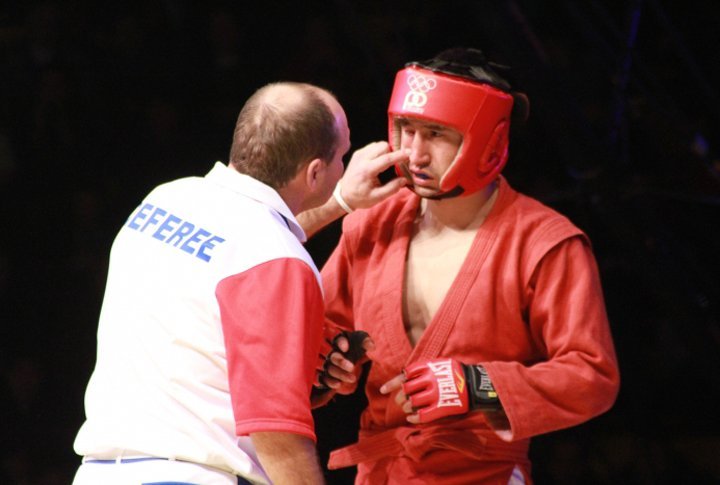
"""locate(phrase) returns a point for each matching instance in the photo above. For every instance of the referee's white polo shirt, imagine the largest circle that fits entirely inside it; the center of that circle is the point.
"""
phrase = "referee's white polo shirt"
(209, 330)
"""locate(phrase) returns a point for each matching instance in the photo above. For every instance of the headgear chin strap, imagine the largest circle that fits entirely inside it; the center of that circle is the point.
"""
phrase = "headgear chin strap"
(478, 107)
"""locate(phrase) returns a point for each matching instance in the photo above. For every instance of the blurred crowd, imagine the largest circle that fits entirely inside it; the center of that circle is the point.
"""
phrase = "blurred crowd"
(101, 101)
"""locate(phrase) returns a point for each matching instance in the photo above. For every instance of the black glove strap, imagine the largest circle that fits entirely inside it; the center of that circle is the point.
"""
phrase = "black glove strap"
(355, 352)
(480, 390)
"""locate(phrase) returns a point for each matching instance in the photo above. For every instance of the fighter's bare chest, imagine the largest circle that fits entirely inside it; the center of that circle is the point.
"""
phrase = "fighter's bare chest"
(431, 268)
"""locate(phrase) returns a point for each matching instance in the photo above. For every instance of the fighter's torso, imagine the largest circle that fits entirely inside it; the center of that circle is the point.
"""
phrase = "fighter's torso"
(436, 253)
(470, 303)
(429, 272)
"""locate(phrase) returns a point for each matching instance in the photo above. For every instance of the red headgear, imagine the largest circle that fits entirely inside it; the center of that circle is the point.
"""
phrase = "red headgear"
(479, 111)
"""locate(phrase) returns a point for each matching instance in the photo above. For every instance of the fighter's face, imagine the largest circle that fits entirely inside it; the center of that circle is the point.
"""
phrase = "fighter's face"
(433, 148)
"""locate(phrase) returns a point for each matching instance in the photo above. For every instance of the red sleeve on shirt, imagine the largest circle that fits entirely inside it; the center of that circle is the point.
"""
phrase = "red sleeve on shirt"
(272, 319)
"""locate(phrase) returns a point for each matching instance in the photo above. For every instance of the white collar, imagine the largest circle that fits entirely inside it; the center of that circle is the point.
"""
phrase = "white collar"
(245, 185)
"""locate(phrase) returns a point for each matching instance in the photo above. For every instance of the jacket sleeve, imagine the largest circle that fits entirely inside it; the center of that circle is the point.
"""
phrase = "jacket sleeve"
(579, 379)
(272, 324)
(338, 289)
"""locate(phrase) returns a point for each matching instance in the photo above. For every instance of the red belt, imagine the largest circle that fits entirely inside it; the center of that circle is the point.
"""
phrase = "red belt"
(417, 442)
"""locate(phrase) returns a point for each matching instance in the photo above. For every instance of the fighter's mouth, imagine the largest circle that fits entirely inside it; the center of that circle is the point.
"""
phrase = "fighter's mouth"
(420, 178)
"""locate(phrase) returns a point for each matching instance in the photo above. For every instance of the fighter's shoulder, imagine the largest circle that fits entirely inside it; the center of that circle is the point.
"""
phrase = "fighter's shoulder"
(386, 212)
(535, 222)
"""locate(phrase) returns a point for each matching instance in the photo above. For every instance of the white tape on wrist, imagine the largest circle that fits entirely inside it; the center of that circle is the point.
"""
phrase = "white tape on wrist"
(339, 198)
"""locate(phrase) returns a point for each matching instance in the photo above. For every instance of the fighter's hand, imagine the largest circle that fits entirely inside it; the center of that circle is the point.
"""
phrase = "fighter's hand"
(360, 185)
(431, 390)
(343, 363)
(401, 399)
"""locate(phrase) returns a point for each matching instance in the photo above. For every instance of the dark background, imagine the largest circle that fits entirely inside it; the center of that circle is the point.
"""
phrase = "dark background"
(101, 101)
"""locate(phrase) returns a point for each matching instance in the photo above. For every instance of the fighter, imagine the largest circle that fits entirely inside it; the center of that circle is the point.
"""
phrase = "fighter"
(484, 307)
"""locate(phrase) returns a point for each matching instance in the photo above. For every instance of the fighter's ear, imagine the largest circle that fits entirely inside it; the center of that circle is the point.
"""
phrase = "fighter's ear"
(495, 153)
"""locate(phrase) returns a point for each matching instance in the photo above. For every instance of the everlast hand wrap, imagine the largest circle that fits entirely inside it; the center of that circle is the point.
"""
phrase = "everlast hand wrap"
(446, 387)
(355, 352)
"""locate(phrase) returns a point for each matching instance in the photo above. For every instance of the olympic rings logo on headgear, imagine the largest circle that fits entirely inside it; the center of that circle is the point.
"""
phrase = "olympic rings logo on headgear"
(419, 86)
(420, 83)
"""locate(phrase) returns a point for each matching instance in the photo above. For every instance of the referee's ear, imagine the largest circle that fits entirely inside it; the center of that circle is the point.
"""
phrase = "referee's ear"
(314, 171)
